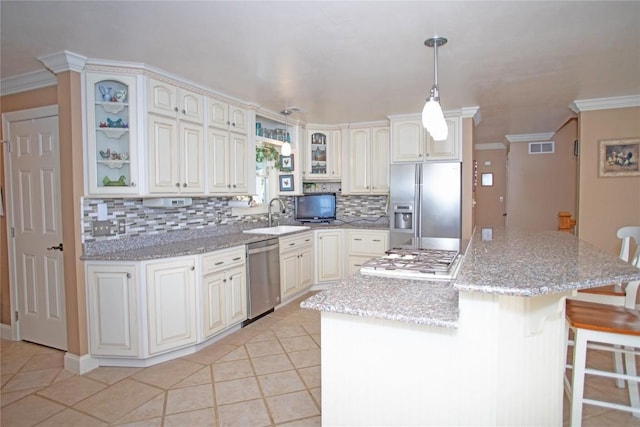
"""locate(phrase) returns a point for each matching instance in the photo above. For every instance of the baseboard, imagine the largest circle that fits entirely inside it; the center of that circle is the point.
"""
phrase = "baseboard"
(5, 332)
(79, 364)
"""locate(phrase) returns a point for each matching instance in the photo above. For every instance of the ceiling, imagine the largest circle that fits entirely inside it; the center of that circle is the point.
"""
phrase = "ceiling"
(522, 63)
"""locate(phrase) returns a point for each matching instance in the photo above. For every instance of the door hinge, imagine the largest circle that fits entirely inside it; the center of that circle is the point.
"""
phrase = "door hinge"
(17, 316)
(13, 233)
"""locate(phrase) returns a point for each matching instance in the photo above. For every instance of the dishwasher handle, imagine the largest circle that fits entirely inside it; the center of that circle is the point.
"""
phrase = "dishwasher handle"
(263, 249)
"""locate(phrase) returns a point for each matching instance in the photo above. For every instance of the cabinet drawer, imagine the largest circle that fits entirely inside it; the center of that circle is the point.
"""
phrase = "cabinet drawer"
(223, 259)
(367, 243)
(295, 241)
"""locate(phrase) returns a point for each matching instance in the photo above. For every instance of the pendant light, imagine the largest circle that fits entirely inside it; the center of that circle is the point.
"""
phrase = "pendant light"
(285, 150)
(432, 116)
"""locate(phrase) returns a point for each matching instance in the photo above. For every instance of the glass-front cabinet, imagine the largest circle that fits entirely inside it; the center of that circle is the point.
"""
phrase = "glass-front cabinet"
(112, 137)
(322, 155)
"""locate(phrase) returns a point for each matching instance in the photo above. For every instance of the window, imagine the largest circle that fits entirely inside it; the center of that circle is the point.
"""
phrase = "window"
(542, 147)
(267, 156)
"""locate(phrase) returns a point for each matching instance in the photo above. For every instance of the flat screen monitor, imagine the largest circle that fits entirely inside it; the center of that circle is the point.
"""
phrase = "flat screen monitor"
(316, 207)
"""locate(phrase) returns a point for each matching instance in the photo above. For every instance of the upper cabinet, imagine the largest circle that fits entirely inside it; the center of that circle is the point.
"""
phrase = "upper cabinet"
(368, 154)
(112, 141)
(171, 101)
(410, 142)
(175, 140)
(227, 117)
(322, 155)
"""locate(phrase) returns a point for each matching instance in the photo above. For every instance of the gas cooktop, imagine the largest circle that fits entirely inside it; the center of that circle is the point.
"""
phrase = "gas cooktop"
(425, 264)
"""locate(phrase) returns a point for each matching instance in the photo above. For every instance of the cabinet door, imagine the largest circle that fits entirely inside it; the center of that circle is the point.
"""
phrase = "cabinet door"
(192, 156)
(318, 155)
(218, 164)
(288, 274)
(305, 264)
(112, 144)
(448, 149)
(161, 98)
(329, 256)
(237, 119)
(359, 155)
(408, 140)
(171, 304)
(218, 114)
(236, 296)
(163, 160)
(213, 304)
(191, 106)
(379, 167)
(113, 310)
(238, 163)
(335, 155)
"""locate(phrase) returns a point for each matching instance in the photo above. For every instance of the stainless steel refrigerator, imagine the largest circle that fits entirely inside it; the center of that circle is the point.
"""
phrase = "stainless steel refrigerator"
(425, 205)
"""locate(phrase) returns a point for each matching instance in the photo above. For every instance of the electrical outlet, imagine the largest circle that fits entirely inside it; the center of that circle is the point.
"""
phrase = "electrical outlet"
(101, 228)
(122, 227)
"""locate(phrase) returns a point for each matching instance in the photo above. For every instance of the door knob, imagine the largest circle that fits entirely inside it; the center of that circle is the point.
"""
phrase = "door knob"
(55, 248)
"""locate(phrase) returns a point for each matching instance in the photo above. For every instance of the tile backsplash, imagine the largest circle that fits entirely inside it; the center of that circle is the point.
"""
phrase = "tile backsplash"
(210, 211)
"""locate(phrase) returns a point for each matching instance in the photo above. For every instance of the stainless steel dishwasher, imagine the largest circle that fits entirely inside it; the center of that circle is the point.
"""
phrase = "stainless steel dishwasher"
(263, 278)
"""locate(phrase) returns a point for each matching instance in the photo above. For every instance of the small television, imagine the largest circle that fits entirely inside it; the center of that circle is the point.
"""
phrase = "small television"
(320, 207)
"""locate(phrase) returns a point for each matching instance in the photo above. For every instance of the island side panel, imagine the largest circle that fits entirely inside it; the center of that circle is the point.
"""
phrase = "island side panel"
(496, 368)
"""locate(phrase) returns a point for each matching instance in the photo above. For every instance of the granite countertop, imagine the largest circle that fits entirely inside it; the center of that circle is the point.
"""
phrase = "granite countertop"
(193, 242)
(514, 262)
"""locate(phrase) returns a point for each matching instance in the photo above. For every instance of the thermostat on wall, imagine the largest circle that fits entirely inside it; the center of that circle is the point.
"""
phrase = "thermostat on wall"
(167, 202)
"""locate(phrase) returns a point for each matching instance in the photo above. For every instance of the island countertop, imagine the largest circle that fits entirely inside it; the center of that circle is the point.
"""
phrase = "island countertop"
(514, 263)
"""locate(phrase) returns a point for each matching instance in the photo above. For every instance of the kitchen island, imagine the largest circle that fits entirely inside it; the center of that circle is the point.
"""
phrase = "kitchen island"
(486, 349)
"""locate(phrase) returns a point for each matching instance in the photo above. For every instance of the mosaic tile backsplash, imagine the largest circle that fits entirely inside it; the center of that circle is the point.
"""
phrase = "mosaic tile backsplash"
(211, 212)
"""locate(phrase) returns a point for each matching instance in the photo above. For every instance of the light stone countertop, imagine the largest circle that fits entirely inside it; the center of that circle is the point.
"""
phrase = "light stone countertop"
(514, 262)
(193, 242)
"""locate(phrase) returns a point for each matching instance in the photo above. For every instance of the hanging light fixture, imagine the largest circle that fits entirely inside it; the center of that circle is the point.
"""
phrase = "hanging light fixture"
(285, 150)
(432, 116)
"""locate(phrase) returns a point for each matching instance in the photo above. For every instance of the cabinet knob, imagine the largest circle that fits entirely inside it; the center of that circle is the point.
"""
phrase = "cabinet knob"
(228, 122)
(193, 267)
(177, 184)
(128, 275)
(234, 186)
(184, 184)
(224, 280)
(133, 184)
(228, 185)
(175, 109)
(184, 112)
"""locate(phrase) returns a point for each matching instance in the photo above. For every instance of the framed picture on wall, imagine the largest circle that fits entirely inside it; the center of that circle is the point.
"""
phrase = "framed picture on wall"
(286, 182)
(619, 157)
(286, 163)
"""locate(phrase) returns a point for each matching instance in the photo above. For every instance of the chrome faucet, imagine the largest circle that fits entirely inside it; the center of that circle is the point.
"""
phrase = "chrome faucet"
(282, 206)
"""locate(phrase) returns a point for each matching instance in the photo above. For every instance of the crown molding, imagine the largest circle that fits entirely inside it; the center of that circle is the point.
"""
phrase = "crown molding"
(27, 81)
(605, 103)
(60, 62)
(473, 112)
(528, 137)
(490, 146)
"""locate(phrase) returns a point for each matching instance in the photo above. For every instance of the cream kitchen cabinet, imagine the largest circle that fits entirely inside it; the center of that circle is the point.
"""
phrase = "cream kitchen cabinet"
(362, 245)
(175, 156)
(112, 301)
(368, 151)
(171, 304)
(323, 151)
(227, 162)
(296, 264)
(169, 100)
(227, 116)
(410, 142)
(112, 134)
(329, 260)
(224, 290)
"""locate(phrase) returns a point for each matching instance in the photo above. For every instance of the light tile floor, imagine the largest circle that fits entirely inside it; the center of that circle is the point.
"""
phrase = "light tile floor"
(267, 374)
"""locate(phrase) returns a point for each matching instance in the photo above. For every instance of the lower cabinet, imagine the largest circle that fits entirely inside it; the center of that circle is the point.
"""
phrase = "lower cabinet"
(224, 290)
(362, 245)
(112, 300)
(171, 304)
(296, 264)
(329, 258)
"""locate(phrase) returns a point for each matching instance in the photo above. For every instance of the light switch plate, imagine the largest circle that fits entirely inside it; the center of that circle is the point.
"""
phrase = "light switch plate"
(101, 228)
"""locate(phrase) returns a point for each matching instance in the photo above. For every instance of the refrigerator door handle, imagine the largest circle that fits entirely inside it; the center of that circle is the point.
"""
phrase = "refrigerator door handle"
(417, 207)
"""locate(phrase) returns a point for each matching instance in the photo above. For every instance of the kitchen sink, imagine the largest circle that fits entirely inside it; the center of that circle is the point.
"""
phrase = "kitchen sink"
(278, 229)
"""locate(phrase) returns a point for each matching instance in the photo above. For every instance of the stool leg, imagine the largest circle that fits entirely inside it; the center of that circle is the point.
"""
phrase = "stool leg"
(634, 397)
(577, 388)
(618, 366)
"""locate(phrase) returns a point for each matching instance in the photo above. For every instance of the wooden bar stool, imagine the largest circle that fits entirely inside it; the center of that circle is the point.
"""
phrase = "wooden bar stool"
(606, 324)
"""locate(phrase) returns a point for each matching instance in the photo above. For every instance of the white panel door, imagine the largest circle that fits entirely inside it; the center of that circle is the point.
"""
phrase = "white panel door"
(36, 213)
(236, 295)
(213, 304)
(161, 98)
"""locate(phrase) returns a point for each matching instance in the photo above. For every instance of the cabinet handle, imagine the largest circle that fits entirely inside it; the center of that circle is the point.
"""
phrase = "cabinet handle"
(292, 244)
(237, 259)
(307, 240)
(376, 240)
(219, 263)
(357, 239)
(128, 275)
